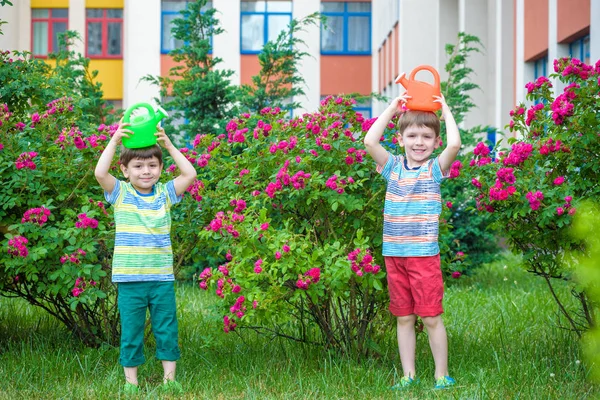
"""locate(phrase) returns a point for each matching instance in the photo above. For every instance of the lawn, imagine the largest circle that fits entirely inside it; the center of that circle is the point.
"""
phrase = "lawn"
(504, 341)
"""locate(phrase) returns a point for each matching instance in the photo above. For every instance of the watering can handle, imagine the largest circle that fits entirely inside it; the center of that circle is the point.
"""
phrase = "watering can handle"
(135, 107)
(429, 68)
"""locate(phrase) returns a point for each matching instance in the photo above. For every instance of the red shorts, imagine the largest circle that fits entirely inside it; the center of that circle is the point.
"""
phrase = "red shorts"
(415, 285)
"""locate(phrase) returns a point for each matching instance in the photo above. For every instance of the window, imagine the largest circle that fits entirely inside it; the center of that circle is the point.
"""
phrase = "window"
(348, 28)
(540, 67)
(364, 107)
(171, 10)
(104, 33)
(580, 49)
(116, 104)
(262, 21)
(47, 24)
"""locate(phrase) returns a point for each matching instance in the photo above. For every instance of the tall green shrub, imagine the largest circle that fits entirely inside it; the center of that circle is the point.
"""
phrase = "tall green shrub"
(471, 232)
(587, 274)
(532, 189)
(56, 241)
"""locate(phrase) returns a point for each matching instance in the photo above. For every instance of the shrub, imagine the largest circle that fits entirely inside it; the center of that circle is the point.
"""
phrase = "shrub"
(532, 190)
(587, 275)
(470, 232)
(56, 248)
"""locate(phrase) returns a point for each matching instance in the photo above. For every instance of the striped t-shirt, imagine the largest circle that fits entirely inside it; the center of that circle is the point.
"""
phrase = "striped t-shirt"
(143, 232)
(412, 208)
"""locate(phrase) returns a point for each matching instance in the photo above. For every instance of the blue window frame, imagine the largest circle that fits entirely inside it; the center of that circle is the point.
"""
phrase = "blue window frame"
(580, 49)
(540, 67)
(171, 10)
(262, 21)
(348, 28)
(365, 108)
(491, 137)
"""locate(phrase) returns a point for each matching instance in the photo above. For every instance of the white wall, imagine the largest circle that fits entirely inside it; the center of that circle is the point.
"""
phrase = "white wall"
(77, 23)
(555, 50)
(227, 45)
(594, 30)
(142, 49)
(17, 32)
(384, 16)
(309, 66)
(419, 33)
(521, 69)
(475, 21)
(504, 62)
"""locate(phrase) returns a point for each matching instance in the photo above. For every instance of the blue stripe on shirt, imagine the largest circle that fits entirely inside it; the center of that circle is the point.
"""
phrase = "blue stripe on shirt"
(142, 239)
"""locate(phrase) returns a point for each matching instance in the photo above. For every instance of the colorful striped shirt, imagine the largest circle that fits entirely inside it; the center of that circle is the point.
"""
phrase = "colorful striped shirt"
(143, 232)
(412, 208)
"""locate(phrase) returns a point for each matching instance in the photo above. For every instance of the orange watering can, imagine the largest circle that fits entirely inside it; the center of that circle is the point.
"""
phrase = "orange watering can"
(421, 93)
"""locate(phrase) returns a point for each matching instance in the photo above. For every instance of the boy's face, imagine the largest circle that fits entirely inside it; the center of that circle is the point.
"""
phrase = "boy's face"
(142, 173)
(418, 142)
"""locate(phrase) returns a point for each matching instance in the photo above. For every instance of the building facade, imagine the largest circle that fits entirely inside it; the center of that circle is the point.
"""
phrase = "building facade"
(365, 46)
(521, 38)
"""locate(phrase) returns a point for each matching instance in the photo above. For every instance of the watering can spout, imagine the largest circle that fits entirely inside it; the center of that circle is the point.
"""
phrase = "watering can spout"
(401, 79)
(160, 114)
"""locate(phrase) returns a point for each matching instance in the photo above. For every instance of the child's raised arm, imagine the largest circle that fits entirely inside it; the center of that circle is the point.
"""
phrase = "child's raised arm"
(188, 172)
(373, 136)
(104, 178)
(453, 142)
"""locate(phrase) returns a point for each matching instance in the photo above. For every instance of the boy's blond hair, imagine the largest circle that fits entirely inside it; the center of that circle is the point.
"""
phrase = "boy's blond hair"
(419, 118)
(144, 153)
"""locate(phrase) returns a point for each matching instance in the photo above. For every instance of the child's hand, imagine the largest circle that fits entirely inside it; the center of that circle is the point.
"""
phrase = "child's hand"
(121, 132)
(162, 138)
(399, 102)
(445, 109)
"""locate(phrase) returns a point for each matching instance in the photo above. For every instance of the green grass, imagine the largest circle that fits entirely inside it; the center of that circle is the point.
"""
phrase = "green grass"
(503, 337)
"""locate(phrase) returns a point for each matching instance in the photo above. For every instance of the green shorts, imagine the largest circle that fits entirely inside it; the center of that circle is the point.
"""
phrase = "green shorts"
(134, 299)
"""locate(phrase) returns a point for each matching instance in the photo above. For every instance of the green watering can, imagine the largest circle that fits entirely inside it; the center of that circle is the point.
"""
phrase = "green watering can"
(143, 126)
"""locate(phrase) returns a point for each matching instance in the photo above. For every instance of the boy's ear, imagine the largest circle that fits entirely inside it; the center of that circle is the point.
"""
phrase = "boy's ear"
(124, 170)
(400, 141)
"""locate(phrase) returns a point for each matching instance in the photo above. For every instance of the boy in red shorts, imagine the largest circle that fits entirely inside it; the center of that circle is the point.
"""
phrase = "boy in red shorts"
(410, 229)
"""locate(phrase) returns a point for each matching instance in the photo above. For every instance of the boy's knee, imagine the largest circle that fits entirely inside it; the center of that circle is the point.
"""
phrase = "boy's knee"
(432, 322)
(407, 319)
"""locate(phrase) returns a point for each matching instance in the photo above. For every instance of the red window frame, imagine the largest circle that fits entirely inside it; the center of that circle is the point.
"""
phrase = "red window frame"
(50, 20)
(105, 21)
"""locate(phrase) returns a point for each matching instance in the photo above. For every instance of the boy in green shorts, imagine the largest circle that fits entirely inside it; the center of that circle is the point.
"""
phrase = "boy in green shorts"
(143, 257)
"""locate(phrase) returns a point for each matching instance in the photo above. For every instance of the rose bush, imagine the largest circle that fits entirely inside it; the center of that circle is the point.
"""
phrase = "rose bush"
(294, 207)
(57, 234)
(533, 189)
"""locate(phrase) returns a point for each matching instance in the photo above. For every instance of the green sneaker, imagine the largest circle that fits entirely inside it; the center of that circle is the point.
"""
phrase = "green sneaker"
(444, 382)
(405, 383)
(172, 387)
(130, 389)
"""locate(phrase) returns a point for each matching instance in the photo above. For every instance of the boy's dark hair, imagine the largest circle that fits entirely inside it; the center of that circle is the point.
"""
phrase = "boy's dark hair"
(419, 118)
(144, 153)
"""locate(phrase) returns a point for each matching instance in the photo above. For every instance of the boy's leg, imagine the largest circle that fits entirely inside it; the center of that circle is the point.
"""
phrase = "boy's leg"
(407, 340)
(438, 341)
(132, 305)
(163, 313)
(428, 292)
(402, 306)
(131, 375)
(169, 368)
